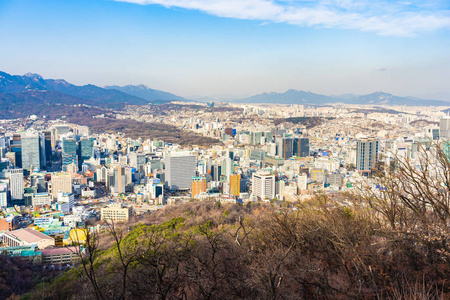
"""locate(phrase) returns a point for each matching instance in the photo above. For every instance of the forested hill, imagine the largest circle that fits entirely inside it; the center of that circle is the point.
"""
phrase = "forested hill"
(207, 250)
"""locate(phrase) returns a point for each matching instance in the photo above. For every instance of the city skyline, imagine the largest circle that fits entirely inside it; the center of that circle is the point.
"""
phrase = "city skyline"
(218, 48)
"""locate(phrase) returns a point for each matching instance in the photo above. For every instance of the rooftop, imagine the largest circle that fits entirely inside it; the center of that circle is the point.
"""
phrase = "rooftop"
(29, 235)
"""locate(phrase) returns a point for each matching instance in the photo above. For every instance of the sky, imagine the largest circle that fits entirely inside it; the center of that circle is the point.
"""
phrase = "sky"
(233, 48)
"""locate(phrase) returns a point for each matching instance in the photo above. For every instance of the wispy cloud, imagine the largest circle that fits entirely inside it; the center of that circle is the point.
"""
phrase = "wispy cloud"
(384, 17)
(383, 69)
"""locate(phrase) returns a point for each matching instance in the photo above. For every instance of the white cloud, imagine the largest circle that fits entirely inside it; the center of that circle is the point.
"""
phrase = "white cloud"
(385, 17)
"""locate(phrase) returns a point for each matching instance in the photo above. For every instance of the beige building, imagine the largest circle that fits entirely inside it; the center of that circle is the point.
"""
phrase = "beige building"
(116, 212)
(27, 236)
(61, 182)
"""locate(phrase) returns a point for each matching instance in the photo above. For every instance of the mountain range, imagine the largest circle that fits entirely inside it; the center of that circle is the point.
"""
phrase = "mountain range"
(32, 94)
(33, 89)
(301, 97)
(146, 93)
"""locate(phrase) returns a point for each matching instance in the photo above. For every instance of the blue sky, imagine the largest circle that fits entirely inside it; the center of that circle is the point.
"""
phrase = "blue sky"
(235, 47)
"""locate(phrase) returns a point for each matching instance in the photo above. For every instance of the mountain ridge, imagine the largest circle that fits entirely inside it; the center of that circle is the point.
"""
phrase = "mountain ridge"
(146, 93)
(293, 96)
(94, 95)
(20, 86)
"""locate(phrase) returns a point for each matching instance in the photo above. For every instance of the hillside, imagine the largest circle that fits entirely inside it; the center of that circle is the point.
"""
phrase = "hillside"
(204, 250)
(145, 130)
(146, 93)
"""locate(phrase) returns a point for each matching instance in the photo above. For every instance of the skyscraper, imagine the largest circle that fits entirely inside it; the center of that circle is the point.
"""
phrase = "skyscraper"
(15, 146)
(85, 150)
(30, 151)
(216, 171)
(301, 147)
(180, 168)
(120, 180)
(227, 167)
(285, 147)
(48, 146)
(42, 150)
(16, 186)
(366, 154)
(69, 152)
(235, 184)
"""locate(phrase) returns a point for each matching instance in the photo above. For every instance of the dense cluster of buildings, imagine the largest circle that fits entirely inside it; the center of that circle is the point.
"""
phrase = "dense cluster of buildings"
(56, 178)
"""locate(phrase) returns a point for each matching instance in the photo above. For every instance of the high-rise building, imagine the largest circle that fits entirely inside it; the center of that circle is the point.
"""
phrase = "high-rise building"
(235, 184)
(48, 146)
(42, 150)
(180, 168)
(301, 147)
(444, 128)
(137, 160)
(4, 191)
(102, 174)
(31, 157)
(16, 186)
(227, 167)
(366, 154)
(120, 180)
(198, 185)
(285, 147)
(128, 175)
(255, 138)
(61, 182)
(59, 130)
(263, 185)
(38, 182)
(216, 171)
(85, 150)
(69, 152)
(15, 146)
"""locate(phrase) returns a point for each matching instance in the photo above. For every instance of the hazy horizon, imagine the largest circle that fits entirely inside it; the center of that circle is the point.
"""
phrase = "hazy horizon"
(220, 48)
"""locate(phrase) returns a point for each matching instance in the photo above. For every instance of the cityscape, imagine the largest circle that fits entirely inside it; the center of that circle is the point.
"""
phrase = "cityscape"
(185, 158)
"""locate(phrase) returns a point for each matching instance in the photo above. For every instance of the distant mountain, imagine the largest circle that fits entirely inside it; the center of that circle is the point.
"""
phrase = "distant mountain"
(381, 98)
(87, 94)
(302, 97)
(289, 97)
(41, 103)
(146, 93)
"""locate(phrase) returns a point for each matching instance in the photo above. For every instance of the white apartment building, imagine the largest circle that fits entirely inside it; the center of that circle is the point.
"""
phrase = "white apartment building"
(263, 185)
(16, 186)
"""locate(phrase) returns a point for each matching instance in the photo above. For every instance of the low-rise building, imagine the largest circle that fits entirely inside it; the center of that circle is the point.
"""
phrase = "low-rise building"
(42, 199)
(63, 255)
(27, 236)
(116, 212)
